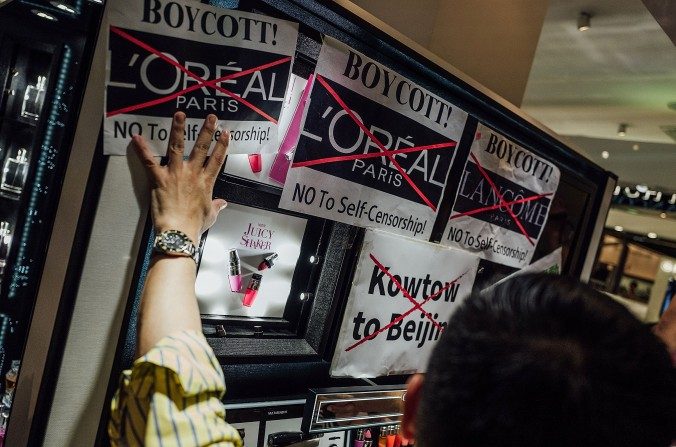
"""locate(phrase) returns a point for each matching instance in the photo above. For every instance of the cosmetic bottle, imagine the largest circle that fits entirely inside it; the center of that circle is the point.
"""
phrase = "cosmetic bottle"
(359, 439)
(252, 289)
(14, 172)
(390, 435)
(397, 436)
(235, 271)
(5, 240)
(33, 98)
(268, 261)
(382, 438)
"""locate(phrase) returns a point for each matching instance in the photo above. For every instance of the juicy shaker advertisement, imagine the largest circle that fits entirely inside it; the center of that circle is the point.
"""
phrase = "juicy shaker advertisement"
(503, 200)
(166, 56)
(375, 149)
(247, 263)
(404, 292)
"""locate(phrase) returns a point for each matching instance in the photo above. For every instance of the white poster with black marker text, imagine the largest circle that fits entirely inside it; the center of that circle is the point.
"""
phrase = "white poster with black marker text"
(503, 200)
(165, 56)
(402, 295)
(375, 149)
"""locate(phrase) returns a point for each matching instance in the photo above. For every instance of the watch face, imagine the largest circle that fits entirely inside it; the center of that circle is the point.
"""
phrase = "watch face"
(174, 241)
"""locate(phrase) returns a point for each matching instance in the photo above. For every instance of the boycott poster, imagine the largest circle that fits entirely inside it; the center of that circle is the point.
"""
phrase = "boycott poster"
(503, 200)
(165, 56)
(375, 149)
(403, 293)
(266, 244)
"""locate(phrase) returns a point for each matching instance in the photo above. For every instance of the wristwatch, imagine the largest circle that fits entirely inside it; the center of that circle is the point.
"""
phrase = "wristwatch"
(175, 243)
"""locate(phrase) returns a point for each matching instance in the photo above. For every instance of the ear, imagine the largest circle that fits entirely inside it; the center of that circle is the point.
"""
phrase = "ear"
(412, 399)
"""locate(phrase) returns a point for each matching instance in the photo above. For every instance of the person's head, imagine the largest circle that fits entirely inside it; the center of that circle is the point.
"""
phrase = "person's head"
(543, 360)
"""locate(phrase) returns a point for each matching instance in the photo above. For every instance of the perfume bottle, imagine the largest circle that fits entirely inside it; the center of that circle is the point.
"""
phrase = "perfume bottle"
(14, 172)
(5, 240)
(33, 98)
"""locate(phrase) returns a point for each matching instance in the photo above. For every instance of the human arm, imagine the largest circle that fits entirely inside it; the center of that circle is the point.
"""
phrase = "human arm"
(181, 199)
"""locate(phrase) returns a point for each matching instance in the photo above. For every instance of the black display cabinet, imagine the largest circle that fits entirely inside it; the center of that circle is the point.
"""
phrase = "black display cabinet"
(44, 60)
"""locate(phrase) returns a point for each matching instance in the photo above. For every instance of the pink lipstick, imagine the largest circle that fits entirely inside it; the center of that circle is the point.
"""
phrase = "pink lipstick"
(252, 290)
(235, 272)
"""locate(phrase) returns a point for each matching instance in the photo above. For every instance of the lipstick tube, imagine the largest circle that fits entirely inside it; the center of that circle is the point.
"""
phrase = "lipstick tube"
(235, 271)
(397, 436)
(391, 436)
(252, 290)
(382, 438)
(359, 440)
(268, 261)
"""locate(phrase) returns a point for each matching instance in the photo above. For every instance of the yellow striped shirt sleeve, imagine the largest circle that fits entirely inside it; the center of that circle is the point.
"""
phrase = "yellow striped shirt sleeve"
(172, 397)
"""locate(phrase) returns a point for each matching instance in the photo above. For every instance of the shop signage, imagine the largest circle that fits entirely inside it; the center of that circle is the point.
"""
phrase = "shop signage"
(174, 55)
(403, 293)
(247, 262)
(375, 149)
(503, 200)
(642, 196)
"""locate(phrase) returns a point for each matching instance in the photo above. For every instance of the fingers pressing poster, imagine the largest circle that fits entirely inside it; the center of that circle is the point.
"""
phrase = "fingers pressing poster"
(503, 200)
(403, 293)
(375, 149)
(180, 55)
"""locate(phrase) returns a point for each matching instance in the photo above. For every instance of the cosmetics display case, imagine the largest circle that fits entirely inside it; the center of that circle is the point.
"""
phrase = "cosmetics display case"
(43, 62)
(272, 284)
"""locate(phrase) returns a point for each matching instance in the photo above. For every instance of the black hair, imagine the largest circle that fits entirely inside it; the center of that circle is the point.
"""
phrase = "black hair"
(544, 360)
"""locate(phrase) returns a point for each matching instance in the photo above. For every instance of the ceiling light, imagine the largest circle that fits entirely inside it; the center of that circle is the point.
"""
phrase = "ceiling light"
(663, 215)
(605, 154)
(652, 235)
(43, 15)
(63, 7)
(635, 147)
(583, 21)
(668, 266)
(619, 228)
(622, 130)
(642, 189)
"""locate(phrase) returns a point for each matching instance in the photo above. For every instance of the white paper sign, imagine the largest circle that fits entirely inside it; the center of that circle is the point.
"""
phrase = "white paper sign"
(547, 264)
(180, 55)
(503, 200)
(404, 292)
(255, 234)
(359, 110)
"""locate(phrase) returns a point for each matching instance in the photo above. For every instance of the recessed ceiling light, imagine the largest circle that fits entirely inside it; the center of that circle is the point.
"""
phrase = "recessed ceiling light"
(63, 7)
(652, 235)
(663, 215)
(619, 228)
(622, 130)
(642, 189)
(636, 147)
(584, 21)
(44, 15)
(605, 154)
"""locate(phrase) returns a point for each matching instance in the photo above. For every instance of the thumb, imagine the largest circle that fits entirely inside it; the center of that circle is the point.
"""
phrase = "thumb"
(218, 205)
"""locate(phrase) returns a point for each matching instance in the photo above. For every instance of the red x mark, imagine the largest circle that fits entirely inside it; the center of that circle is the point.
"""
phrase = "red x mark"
(416, 305)
(502, 200)
(201, 82)
(383, 150)
(500, 205)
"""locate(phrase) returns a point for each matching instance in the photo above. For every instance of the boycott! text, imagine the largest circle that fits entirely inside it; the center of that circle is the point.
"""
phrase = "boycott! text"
(192, 19)
(388, 84)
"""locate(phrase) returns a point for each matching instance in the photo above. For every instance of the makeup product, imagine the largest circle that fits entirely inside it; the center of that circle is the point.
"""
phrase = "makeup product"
(397, 436)
(268, 261)
(359, 439)
(382, 439)
(368, 443)
(390, 435)
(33, 98)
(256, 163)
(252, 289)
(235, 272)
(5, 240)
(14, 172)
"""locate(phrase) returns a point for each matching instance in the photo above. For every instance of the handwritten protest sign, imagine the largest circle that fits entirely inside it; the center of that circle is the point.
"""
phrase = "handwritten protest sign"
(403, 294)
